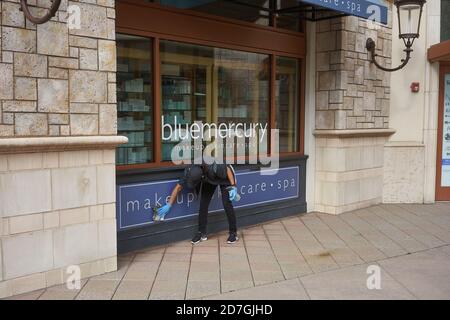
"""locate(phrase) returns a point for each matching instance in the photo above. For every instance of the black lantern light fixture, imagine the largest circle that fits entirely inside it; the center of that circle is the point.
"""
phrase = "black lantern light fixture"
(409, 13)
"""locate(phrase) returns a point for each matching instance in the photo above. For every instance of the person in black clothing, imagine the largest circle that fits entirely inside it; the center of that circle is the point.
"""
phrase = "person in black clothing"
(206, 178)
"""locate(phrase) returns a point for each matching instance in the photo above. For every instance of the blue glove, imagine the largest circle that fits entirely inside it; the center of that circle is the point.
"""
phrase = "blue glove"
(163, 211)
(233, 193)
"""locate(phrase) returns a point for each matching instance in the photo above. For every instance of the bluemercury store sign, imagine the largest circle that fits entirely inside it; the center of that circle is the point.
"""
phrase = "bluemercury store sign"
(373, 10)
(135, 201)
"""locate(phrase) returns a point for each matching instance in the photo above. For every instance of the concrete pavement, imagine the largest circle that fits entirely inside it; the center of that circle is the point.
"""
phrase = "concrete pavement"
(310, 256)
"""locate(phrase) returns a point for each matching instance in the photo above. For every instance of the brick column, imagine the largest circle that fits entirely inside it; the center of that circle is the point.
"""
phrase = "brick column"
(352, 114)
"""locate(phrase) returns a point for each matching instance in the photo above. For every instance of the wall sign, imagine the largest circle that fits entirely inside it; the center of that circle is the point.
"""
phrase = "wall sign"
(368, 9)
(445, 172)
(135, 201)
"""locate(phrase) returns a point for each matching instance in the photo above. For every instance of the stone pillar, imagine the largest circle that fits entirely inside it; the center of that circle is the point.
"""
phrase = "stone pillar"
(57, 145)
(352, 114)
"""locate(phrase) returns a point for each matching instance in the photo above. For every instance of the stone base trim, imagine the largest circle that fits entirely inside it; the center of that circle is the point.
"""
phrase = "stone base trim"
(46, 144)
(349, 207)
(55, 277)
(349, 169)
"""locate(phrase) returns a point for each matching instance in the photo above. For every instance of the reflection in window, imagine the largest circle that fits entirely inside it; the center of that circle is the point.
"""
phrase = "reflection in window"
(254, 11)
(134, 99)
(289, 17)
(211, 85)
(287, 103)
(259, 12)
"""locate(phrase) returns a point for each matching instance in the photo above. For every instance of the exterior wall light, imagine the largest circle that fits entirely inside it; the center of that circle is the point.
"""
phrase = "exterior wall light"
(46, 17)
(409, 13)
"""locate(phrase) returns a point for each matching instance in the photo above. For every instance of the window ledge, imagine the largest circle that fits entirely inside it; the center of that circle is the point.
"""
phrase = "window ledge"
(352, 133)
(53, 144)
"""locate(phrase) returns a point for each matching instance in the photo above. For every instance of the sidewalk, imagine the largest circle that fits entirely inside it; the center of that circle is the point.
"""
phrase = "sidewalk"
(311, 256)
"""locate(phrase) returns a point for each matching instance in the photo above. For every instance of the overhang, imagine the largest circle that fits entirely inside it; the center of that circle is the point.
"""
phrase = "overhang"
(439, 52)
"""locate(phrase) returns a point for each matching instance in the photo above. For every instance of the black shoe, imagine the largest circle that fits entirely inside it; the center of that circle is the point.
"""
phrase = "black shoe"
(199, 237)
(233, 238)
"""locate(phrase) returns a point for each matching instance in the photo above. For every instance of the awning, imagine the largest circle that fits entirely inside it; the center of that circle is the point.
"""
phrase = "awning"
(313, 10)
(368, 9)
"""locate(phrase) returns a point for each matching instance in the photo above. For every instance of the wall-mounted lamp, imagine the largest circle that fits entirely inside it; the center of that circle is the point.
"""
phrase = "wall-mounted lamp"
(409, 13)
(47, 16)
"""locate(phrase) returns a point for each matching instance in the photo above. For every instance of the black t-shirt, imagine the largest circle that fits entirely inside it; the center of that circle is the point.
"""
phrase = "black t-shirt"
(220, 177)
(216, 174)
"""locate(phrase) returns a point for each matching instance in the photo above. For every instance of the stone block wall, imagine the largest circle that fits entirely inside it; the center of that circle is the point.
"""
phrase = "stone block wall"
(58, 127)
(56, 80)
(403, 173)
(349, 172)
(352, 114)
(57, 209)
(351, 93)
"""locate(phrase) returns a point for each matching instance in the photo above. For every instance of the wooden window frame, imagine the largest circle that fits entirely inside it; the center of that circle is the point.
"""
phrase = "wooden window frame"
(150, 20)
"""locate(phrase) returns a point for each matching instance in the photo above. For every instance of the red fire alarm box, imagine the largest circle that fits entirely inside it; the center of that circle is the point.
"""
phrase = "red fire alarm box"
(415, 87)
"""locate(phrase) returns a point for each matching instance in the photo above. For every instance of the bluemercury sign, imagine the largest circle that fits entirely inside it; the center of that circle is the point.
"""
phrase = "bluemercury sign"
(135, 201)
(368, 9)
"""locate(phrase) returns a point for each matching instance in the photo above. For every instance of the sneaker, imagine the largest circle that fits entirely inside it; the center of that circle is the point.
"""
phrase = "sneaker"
(233, 238)
(199, 237)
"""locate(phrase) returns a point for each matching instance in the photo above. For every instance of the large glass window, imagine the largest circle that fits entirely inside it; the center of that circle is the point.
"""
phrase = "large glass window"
(134, 99)
(255, 11)
(212, 85)
(290, 15)
(287, 98)
(199, 83)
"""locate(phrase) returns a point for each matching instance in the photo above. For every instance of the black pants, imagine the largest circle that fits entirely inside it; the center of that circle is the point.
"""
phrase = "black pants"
(207, 192)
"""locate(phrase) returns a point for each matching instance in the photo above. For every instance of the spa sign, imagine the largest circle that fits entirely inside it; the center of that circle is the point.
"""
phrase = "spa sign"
(368, 9)
(135, 201)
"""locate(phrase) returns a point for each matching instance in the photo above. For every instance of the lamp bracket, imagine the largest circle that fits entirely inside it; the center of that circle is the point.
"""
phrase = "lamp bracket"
(51, 12)
(371, 46)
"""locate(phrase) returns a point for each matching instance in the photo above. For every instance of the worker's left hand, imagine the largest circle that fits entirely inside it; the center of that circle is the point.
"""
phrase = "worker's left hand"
(233, 193)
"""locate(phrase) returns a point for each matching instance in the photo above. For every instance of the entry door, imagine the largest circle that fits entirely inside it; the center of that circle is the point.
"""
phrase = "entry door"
(443, 143)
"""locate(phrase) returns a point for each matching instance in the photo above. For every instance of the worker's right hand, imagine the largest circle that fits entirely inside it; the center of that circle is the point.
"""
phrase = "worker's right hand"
(164, 210)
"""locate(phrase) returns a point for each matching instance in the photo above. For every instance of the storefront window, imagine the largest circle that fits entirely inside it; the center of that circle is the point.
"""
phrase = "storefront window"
(211, 85)
(290, 15)
(287, 103)
(254, 11)
(134, 99)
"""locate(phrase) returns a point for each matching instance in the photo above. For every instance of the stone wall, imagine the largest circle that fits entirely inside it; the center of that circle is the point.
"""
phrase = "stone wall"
(57, 144)
(403, 173)
(56, 80)
(351, 93)
(352, 114)
(57, 209)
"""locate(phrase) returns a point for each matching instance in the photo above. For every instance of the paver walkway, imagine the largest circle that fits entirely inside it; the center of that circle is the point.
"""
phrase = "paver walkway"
(310, 256)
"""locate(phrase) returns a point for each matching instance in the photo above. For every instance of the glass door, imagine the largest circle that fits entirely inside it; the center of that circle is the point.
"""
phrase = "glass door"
(443, 145)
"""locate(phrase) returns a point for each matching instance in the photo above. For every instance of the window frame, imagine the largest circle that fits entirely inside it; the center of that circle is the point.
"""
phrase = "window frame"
(130, 17)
